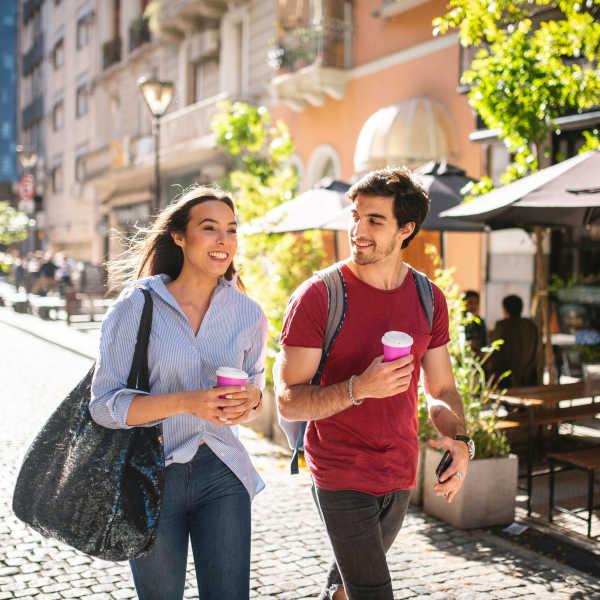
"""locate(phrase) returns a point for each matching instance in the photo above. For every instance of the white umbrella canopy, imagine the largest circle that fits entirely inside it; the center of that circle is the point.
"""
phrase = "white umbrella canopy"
(565, 194)
(317, 208)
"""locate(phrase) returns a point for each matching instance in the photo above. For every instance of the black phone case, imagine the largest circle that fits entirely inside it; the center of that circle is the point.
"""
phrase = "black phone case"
(443, 465)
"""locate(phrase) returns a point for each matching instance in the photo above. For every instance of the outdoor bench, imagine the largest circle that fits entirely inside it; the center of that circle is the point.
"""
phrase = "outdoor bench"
(587, 460)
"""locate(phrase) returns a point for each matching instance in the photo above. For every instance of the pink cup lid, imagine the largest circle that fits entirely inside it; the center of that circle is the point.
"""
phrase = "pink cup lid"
(232, 373)
(397, 339)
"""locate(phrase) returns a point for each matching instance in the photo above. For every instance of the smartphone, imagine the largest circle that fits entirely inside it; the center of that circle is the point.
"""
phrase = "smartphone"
(444, 464)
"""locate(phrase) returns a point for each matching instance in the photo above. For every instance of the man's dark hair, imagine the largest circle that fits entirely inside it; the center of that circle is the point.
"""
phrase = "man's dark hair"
(513, 305)
(411, 201)
(471, 294)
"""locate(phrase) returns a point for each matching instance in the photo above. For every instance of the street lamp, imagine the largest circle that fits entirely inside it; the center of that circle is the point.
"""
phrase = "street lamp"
(157, 95)
(27, 157)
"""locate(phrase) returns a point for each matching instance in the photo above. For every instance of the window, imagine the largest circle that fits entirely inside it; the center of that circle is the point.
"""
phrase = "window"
(57, 178)
(58, 115)
(81, 97)
(206, 79)
(59, 54)
(58, 51)
(323, 162)
(80, 163)
(83, 32)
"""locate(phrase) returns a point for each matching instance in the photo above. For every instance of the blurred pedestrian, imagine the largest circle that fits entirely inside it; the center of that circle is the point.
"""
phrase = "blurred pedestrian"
(47, 275)
(19, 273)
(202, 321)
(520, 351)
(475, 331)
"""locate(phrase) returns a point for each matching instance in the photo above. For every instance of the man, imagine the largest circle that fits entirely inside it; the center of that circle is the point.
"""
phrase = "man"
(475, 331)
(519, 353)
(361, 441)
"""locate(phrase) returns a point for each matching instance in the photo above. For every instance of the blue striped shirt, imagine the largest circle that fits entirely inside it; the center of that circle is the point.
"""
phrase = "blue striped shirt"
(232, 334)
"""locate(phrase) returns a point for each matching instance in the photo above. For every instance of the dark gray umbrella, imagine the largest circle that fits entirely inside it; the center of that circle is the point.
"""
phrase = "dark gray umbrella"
(567, 193)
(444, 183)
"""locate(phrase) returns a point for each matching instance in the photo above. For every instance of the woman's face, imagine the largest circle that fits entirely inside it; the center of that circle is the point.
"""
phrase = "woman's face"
(210, 239)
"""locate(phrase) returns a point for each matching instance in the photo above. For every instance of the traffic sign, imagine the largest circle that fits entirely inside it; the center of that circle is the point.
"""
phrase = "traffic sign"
(26, 188)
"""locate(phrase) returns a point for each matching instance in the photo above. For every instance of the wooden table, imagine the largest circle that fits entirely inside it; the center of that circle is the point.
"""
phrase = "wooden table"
(542, 404)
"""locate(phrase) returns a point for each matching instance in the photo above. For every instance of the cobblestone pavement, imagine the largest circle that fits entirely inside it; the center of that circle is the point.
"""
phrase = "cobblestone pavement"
(289, 548)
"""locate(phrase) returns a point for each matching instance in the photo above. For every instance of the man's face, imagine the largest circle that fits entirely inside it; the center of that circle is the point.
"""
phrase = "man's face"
(472, 305)
(374, 234)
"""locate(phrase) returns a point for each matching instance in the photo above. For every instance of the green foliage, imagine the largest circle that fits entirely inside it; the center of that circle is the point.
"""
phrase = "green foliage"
(472, 383)
(13, 228)
(272, 266)
(524, 75)
(13, 224)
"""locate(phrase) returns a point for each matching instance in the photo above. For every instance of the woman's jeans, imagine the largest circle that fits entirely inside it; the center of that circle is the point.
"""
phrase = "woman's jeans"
(203, 500)
(361, 528)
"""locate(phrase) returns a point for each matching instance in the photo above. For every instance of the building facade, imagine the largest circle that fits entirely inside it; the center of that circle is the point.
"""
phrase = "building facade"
(82, 111)
(8, 95)
(376, 88)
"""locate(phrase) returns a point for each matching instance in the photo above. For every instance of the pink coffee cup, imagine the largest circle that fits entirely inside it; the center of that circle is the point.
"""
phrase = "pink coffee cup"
(231, 376)
(396, 344)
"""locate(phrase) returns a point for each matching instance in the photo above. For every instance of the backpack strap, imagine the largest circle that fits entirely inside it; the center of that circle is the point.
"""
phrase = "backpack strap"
(425, 292)
(336, 312)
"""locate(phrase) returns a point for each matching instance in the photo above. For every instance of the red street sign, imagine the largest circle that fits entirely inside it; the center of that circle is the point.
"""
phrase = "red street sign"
(26, 187)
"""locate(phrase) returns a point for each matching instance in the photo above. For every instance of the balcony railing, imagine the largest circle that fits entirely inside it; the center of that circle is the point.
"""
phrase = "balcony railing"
(33, 112)
(139, 33)
(177, 17)
(111, 52)
(326, 43)
(189, 123)
(34, 55)
(29, 9)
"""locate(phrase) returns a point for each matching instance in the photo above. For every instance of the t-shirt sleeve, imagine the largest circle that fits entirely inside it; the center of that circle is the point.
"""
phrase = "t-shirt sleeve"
(306, 316)
(439, 328)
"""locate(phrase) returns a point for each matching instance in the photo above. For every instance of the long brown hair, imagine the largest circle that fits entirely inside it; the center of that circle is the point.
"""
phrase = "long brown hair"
(152, 250)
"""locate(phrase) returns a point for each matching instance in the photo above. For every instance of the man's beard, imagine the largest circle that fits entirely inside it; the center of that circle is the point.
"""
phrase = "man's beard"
(360, 257)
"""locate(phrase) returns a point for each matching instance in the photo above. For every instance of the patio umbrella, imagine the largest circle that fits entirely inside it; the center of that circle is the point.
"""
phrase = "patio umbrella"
(444, 183)
(313, 209)
(565, 194)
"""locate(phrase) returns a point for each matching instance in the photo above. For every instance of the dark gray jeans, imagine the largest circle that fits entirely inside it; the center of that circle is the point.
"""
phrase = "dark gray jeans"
(361, 529)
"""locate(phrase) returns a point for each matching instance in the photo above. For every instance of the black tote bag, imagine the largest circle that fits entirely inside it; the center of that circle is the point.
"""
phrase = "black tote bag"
(96, 489)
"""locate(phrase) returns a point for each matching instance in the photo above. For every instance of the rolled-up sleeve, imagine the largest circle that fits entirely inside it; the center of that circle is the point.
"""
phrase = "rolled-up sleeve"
(110, 398)
(254, 358)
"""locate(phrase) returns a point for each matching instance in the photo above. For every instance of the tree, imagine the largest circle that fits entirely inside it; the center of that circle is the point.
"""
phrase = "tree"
(537, 61)
(13, 228)
(260, 178)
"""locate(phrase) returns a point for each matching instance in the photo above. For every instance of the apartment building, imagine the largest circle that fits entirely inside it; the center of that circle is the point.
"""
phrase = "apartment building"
(83, 113)
(210, 51)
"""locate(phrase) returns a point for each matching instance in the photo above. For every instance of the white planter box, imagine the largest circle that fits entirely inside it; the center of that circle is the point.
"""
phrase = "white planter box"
(487, 497)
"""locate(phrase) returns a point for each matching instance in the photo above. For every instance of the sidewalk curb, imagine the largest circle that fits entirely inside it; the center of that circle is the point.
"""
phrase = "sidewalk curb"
(20, 323)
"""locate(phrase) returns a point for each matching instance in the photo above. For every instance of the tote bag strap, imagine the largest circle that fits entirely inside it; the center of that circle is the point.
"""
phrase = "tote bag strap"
(139, 378)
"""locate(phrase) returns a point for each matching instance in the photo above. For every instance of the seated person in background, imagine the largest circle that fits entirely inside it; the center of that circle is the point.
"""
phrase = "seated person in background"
(519, 352)
(475, 331)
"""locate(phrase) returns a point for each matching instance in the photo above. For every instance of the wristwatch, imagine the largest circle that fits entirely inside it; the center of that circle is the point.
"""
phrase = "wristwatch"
(469, 442)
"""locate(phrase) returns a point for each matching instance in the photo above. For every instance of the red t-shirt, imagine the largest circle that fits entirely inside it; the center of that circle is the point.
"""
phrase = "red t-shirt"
(373, 447)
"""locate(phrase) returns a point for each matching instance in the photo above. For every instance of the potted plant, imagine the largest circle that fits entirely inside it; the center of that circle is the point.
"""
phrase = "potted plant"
(588, 343)
(488, 494)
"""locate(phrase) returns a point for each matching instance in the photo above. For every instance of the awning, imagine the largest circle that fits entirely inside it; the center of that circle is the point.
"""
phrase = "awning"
(409, 133)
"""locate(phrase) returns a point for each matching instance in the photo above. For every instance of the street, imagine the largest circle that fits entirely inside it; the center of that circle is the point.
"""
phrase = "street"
(290, 551)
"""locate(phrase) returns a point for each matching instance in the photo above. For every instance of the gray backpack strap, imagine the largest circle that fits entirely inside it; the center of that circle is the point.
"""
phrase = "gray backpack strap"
(336, 312)
(425, 294)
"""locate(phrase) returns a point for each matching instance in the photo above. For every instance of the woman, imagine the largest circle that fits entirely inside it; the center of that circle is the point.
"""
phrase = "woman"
(200, 323)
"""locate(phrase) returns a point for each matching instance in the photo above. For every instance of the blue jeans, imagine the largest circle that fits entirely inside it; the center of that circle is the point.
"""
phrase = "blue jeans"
(203, 500)
(361, 529)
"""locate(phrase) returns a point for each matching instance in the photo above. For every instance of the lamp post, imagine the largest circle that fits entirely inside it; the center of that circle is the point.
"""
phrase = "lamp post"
(157, 95)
